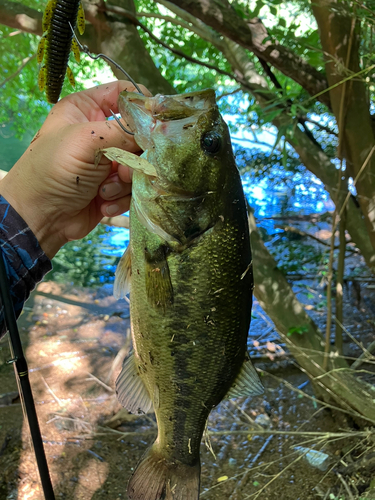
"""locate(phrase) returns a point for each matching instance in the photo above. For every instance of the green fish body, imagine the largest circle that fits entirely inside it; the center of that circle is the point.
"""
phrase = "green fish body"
(190, 268)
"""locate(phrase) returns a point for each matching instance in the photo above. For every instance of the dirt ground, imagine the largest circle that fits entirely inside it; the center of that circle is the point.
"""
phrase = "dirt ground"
(75, 341)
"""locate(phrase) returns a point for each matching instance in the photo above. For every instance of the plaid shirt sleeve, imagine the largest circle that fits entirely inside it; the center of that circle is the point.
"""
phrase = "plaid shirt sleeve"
(25, 261)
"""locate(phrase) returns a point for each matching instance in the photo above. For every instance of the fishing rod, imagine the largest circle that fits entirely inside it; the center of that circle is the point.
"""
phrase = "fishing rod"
(18, 358)
(22, 374)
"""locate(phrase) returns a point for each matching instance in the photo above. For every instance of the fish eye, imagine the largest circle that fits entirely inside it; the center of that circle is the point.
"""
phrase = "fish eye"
(211, 142)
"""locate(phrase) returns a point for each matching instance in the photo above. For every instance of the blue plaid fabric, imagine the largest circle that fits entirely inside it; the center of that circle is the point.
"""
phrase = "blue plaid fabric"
(25, 261)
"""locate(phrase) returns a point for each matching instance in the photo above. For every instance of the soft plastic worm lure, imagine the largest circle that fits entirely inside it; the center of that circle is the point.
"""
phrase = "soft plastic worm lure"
(54, 47)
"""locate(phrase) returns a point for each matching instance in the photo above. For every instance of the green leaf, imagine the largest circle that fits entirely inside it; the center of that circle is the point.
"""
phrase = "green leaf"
(299, 330)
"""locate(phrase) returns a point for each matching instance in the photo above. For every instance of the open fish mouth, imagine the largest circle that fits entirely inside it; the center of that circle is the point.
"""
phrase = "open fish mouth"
(165, 108)
(168, 115)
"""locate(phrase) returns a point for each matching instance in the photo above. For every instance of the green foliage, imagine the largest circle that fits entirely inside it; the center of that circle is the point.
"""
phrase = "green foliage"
(297, 255)
(85, 263)
(23, 106)
(297, 330)
(184, 75)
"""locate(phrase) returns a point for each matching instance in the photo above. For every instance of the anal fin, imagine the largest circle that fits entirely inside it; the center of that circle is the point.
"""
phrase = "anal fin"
(130, 389)
(247, 382)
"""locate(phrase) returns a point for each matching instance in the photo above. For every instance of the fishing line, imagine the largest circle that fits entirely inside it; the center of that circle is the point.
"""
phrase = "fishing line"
(86, 50)
(23, 381)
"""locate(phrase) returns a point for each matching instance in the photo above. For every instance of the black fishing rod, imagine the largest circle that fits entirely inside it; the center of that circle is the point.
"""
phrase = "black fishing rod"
(24, 382)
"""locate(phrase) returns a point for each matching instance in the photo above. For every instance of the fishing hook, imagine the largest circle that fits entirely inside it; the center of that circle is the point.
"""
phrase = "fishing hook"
(121, 125)
(86, 50)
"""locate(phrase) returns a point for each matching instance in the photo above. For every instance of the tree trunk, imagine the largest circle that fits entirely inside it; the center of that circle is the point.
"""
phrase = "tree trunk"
(339, 34)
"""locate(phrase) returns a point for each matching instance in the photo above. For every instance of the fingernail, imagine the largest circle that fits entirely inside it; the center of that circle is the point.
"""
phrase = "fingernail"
(111, 189)
(112, 209)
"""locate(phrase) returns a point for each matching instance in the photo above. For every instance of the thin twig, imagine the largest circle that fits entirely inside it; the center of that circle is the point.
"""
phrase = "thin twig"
(365, 351)
(319, 125)
(18, 71)
(92, 377)
(58, 400)
(327, 346)
(295, 230)
(350, 496)
(363, 358)
(328, 89)
(129, 15)
(340, 283)
(349, 411)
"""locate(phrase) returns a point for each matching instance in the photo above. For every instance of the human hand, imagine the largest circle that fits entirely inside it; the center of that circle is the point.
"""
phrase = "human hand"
(55, 186)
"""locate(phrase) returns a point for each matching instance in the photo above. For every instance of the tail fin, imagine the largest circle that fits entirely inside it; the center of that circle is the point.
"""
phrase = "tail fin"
(155, 478)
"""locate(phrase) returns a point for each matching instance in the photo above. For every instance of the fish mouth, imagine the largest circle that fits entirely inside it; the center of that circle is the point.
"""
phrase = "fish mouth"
(166, 107)
(144, 115)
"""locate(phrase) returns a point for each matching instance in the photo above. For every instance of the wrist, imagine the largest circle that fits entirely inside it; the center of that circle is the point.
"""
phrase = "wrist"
(39, 216)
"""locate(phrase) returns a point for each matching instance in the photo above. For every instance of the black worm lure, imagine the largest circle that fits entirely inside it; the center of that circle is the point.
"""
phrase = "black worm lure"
(59, 18)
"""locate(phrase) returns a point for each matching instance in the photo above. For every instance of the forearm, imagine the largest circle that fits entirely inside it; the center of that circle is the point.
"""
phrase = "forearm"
(25, 261)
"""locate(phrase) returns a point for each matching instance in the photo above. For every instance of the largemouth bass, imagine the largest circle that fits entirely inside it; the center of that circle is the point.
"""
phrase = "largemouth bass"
(190, 271)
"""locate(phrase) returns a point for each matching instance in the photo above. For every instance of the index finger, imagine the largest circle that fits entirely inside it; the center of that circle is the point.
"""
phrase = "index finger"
(105, 96)
(93, 104)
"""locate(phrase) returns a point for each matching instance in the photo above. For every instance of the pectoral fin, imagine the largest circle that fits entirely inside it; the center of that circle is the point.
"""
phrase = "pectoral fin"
(247, 382)
(148, 223)
(130, 159)
(123, 275)
(130, 389)
(158, 280)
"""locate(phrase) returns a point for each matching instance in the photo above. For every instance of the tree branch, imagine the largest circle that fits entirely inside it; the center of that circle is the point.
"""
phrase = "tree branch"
(125, 13)
(251, 35)
(319, 125)
(129, 15)
(19, 16)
